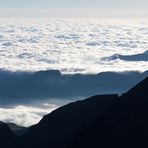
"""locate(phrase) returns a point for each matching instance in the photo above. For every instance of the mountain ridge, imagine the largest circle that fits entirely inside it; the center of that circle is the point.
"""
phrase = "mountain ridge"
(99, 121)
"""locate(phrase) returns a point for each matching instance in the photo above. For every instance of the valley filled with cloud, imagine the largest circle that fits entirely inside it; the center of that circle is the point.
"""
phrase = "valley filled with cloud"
(71, 45)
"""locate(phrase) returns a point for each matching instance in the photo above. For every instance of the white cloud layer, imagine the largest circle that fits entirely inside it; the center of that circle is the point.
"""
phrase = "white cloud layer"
(25, 115)
(70, 45)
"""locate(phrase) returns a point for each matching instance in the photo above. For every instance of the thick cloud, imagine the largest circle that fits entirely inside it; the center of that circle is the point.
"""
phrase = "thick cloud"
(71, 46)
(25, 115)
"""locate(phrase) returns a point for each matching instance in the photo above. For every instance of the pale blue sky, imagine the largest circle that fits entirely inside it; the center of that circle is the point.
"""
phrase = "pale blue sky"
(73, 3)
(136, 8)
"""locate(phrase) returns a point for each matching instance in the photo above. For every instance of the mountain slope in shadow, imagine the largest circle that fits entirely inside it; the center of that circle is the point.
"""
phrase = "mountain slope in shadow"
(6, 135)
(125, 125)
(100, 121)
(62, 126)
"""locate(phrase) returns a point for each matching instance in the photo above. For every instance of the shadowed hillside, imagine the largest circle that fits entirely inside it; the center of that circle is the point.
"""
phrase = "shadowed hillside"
(100, 121)
(6, 135)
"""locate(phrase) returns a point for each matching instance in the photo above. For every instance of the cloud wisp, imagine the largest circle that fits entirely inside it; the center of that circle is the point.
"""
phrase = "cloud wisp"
(25, 115)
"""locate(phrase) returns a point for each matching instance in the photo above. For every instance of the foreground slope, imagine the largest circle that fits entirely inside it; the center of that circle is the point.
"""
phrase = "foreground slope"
(100, 121)
(62, 126)
(125, 125)
(6, 135)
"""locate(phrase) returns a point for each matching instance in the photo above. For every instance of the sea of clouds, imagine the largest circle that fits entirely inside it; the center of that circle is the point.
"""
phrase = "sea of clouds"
(71, 46)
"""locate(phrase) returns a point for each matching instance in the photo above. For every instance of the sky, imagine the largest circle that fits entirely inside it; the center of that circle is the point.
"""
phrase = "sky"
(78, 8)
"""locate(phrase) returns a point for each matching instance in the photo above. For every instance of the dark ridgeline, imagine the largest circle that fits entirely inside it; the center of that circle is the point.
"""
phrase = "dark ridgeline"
(98, 122)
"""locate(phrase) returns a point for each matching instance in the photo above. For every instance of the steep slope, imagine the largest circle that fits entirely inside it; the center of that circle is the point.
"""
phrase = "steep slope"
(62, 126)
(100, 122)
(129, 120)
(126, 125)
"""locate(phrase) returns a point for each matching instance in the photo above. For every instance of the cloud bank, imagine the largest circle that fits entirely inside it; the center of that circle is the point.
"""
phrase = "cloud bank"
(25, 115)
(71, 46)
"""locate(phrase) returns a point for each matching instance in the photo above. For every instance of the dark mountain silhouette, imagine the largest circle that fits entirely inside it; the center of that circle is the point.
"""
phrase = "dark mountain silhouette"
(6, 135)
(66, 123)
(100, 121)
(125, 125)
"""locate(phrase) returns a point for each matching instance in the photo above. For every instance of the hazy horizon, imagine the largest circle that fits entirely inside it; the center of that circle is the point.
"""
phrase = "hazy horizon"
(79, 9)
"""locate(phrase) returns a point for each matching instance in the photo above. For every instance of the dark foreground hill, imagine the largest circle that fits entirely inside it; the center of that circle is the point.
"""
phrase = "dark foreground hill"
(98, 122)
(6, 135)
